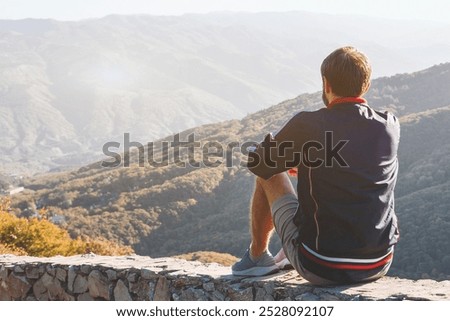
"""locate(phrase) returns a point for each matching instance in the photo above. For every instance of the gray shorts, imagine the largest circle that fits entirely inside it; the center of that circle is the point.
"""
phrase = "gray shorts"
(283, 212)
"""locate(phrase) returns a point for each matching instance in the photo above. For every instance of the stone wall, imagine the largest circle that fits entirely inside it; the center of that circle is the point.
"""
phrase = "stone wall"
(90, 277)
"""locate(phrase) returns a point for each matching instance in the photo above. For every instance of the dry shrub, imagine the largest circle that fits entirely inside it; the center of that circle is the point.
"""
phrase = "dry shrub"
(40, 237)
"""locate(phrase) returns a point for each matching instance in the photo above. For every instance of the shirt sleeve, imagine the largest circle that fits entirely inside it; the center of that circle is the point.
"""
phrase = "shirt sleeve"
(278, 152)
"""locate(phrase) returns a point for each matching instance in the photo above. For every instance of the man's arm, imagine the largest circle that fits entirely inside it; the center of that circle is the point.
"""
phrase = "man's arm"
(277, 153)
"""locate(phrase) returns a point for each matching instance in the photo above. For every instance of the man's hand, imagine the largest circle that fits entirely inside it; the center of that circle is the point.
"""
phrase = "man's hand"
(293, 172)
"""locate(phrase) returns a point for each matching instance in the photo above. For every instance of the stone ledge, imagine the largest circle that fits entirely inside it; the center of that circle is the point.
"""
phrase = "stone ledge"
(91, 277)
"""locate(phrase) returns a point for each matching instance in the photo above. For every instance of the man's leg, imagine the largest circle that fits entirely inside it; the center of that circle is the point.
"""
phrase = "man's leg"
(257, 261)
(275, 194)
(266, 192)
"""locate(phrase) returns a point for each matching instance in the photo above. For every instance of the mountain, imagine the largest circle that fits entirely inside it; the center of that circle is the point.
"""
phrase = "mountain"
(422, 198)
(67, 88)
(170, 210)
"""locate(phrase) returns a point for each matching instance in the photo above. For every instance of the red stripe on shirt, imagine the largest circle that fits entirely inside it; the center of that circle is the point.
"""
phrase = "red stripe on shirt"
(344, 266)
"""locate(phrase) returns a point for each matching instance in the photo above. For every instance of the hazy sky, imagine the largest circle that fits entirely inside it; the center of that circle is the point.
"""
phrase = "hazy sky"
(438, 10)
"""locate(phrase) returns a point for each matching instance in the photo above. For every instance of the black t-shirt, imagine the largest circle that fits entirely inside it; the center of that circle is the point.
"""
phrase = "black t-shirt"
(347, 169)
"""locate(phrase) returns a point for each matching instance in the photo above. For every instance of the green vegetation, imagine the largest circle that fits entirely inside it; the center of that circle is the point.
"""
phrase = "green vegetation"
(422, 201)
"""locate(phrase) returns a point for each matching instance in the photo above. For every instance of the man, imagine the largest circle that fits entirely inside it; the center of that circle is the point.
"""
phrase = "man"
(340, 227)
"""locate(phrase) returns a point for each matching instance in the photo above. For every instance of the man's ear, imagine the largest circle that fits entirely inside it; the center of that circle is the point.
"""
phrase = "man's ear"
(327, 86)
(368, 87)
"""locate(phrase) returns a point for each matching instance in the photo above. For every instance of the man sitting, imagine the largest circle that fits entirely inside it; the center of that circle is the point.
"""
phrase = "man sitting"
(339, 227)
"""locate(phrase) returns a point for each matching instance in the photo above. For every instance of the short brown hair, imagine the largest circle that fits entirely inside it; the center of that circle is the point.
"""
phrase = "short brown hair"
(348, 71)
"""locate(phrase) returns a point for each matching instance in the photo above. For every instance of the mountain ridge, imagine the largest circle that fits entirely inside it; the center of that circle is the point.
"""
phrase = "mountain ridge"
(69, 87)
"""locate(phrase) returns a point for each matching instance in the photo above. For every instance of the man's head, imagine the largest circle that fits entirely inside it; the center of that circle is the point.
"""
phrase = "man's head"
(346, 73)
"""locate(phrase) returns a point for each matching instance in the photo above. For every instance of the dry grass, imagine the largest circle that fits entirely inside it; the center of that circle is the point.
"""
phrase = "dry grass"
(209, 257)
(7, 249)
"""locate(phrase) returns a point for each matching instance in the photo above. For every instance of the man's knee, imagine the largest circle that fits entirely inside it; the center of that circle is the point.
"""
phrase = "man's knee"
(276, 186)
(275, 179)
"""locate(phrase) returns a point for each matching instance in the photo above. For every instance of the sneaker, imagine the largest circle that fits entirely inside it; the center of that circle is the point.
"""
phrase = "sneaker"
(284, 264)
(247, 267)
(282, 261)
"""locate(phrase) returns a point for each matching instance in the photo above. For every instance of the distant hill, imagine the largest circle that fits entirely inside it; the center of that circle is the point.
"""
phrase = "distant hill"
(422, 195)
(67, 88)
(173, 210)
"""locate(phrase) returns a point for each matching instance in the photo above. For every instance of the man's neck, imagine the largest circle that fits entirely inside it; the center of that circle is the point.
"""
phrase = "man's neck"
(343, 100)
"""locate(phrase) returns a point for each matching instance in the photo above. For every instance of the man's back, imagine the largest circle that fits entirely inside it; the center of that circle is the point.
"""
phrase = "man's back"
(347, 209)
